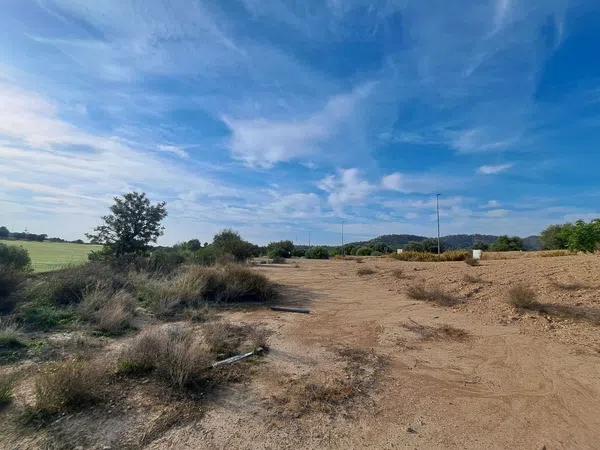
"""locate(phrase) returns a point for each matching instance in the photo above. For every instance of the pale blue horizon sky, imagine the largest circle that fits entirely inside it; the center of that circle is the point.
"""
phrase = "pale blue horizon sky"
(276, 118)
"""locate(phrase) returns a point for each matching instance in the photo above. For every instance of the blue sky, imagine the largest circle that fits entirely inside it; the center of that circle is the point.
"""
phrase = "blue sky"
(277, 118)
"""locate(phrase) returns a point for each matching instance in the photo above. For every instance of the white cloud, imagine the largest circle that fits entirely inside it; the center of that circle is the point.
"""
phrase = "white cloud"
(494, 169)
(175, 150)
(422, 183)
(492, 204)
(346, 188)
(263, 142)
(497, 213)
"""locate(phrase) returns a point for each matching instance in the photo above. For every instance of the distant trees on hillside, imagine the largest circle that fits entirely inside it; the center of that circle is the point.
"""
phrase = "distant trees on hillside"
(581, 236)
(508, 244)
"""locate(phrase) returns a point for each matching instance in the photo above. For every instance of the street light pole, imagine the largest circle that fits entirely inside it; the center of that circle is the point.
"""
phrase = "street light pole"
(343, 252)
(437, 204)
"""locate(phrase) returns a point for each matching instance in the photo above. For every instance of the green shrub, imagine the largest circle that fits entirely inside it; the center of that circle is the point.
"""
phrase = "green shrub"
(14, 257)
(281, 249)
(317, 253)
(228, 242)
(10, 282)
(10, 336)
(45, 317)
(299, 252)
(363, 251)
(508, 244)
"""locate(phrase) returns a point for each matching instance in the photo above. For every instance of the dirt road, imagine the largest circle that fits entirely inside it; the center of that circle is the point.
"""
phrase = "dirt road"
(513, 381)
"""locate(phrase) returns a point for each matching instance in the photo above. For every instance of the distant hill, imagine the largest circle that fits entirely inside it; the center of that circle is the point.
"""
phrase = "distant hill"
(452, 242)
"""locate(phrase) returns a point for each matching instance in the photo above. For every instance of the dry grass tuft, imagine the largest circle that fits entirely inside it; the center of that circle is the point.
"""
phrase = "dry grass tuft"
(173, 354)
(468, 278)
(194, 286)
(7, 383)
(327, 393)
(437, 333)
(67, 386)
(110, 312)
(10, 336)
(522, 296)
(358, 260)
(226, 339)
(571, 286)
(363, 271)
(472, 261)
(433, 295)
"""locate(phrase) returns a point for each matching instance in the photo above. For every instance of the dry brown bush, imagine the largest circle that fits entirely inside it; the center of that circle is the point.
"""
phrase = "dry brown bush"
(523, 297)
(110, 312)
(571, 285)
(437, 333)
(471, 261)
(68, 386)
(433, 294)
(468, 278)
(226, 339)
(363, 271)
(194, 286)
(174, 354)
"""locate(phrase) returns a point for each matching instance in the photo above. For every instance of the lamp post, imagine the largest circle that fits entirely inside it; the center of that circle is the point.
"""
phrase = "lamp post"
(437, 204)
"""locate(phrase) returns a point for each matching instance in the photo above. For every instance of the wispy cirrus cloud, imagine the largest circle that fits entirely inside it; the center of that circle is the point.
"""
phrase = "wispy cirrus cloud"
(494, 169)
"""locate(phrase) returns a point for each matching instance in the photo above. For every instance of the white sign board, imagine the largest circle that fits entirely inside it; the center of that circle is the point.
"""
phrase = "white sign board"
(477, 254)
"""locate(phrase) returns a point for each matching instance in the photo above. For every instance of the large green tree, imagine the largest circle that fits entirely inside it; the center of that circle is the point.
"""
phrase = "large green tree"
(229, 243)
(132, 225)
(556, 237)
(585, 237)
(508, 244)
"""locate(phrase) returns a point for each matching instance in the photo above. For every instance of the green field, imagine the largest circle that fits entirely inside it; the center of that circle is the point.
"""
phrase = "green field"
(47, 256)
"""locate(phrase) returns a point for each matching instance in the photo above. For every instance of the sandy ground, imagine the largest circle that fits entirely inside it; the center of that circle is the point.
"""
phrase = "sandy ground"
(516, 380)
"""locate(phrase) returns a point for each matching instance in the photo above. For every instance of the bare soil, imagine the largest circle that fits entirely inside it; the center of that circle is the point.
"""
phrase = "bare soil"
(371, 367)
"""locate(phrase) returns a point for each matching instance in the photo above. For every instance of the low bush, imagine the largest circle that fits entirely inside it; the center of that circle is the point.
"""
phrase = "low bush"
(194, 286)
(110, 312)
(173, 354)
(470, 261)
(317, 253)
(437, 333)
(363, 271)
(431, 257)
(68, 286)
(433, 295)
(10, 336)
(363, 251)
(225, 339)
(11, 281)
(14, 257)
(45, 317)
(522, 296)
(67, 386)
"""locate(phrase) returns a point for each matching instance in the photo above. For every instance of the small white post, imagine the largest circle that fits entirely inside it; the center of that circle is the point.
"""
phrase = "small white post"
(477, 254)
